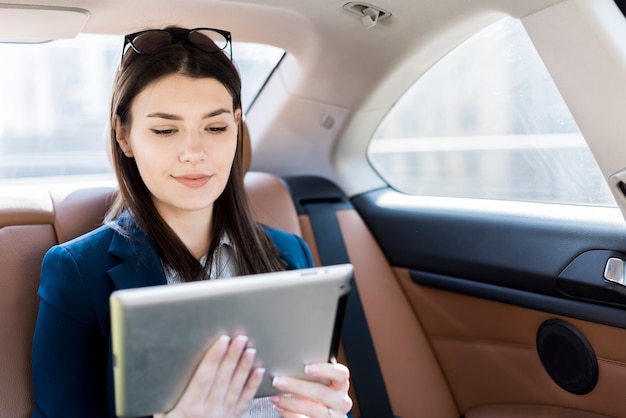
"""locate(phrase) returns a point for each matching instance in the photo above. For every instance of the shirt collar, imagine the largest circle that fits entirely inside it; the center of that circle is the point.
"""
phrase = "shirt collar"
(221, 261)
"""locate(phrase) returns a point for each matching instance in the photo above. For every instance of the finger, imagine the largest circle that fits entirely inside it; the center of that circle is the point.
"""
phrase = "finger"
(304, 389)
(249, 390)
(291, 406)
(204, 376)
(226, 368)
(240, 376)
(334, 398)
(294, 407)
(314, 391)
(337, 374)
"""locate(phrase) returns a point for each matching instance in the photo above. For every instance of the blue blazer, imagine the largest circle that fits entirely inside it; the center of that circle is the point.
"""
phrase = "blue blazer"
(71, 358)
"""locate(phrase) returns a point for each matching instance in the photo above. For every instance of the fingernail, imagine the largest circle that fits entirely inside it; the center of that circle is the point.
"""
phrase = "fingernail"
(250, 353)
(279, 382)
(311, 369)
(274, 399)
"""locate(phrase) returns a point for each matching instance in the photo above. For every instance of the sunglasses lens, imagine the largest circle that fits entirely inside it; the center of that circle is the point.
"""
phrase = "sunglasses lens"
(208, 40)
(151, 42)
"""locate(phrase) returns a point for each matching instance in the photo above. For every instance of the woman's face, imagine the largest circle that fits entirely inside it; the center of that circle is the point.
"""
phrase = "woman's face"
(183, 136)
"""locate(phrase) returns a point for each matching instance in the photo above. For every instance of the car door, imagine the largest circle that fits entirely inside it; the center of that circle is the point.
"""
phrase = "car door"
(501, 219)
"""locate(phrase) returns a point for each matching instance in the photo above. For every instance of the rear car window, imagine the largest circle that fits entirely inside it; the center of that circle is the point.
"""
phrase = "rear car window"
(55, 98)
(488, 122)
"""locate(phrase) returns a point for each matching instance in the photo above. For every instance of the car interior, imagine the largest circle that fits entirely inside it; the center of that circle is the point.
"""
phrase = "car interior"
(474, 308)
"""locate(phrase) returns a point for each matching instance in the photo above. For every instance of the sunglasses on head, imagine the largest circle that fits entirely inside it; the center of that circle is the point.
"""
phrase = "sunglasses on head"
(151, 41)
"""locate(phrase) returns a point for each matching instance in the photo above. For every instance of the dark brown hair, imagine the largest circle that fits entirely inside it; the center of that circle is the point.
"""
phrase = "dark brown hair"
(255, 252)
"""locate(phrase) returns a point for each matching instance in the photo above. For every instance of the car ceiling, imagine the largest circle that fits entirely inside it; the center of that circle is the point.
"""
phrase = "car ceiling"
(356, 56)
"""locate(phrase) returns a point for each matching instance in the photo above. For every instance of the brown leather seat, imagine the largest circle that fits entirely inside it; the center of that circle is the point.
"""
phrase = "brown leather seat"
(32, 219)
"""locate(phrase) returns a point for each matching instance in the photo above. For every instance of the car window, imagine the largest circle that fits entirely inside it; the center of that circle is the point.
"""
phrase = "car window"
(488, 122)
(55, 99)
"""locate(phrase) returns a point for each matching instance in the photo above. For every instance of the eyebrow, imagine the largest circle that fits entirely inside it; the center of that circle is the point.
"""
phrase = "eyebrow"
(170, 116)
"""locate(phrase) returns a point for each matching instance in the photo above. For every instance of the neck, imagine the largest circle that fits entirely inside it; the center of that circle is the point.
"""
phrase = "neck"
(193, 228)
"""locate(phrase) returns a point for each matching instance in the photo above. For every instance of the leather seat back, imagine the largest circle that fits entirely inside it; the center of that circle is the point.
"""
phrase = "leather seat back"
(32, 219)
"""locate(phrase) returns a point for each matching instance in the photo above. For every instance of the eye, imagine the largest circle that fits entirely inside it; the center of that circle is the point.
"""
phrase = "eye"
(217, 129)
(163, 132)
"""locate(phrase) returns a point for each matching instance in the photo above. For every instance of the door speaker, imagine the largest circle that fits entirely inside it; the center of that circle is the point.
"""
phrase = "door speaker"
(567, 356)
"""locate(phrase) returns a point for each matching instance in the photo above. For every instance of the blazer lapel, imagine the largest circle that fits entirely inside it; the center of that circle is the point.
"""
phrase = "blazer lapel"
(140, 265)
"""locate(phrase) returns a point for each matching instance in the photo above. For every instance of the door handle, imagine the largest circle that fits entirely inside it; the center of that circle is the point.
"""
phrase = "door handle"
(614, 271)
(597, 276)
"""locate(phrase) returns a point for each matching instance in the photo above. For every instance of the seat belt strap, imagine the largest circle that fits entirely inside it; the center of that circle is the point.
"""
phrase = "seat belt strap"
(367, 378)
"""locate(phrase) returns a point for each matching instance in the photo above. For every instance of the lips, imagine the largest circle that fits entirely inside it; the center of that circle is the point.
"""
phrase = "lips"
(193, 180)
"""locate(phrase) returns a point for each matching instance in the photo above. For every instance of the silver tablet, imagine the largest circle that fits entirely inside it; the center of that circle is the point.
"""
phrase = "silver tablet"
(160, 333)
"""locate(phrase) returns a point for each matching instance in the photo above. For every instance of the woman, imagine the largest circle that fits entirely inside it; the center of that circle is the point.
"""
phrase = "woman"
(181, 215)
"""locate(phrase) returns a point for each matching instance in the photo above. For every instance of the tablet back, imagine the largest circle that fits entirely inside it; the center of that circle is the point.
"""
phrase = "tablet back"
(160, 333)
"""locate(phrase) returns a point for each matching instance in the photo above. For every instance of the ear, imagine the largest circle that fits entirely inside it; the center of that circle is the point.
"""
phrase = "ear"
(121, 136)
(238, 115)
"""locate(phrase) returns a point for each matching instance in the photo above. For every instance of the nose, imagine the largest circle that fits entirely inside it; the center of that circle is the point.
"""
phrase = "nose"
(192, 149)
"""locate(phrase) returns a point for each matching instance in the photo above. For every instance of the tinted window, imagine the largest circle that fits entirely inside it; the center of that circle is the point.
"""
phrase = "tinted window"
(487, 121)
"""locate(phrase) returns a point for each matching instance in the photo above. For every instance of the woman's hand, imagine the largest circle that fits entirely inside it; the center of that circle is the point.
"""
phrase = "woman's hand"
(223, 384)
(303, 398)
